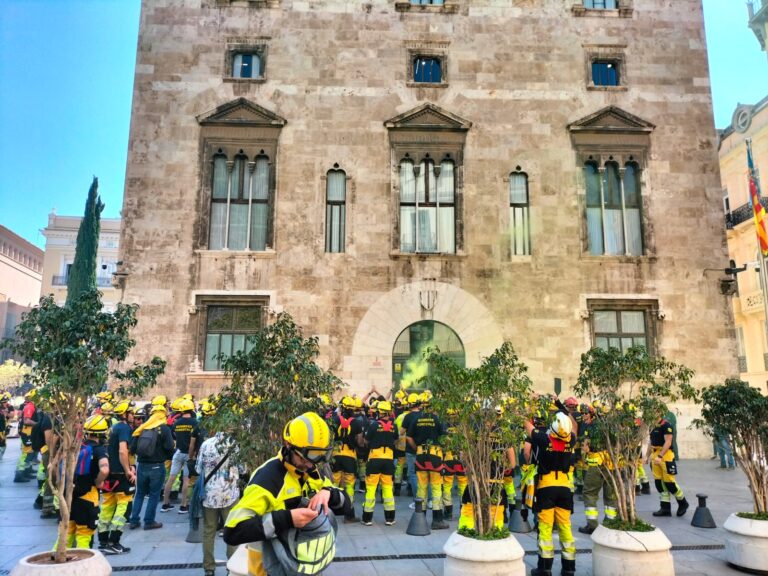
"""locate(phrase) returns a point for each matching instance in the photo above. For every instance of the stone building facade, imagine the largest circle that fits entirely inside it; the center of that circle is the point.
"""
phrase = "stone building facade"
(394, 173)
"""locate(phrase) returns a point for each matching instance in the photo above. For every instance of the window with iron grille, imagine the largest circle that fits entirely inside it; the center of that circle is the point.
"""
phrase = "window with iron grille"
(519, 216)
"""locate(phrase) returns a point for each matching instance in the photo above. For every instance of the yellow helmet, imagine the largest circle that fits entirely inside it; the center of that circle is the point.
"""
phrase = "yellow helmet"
(158, 408)
(400, 395)
(384, 407)
(5, 397)
(31, 394)
(310, 435)
(358, 403)
(105, 396)
(176, 405)
(186, 405)
(96, 425)
(189, 397)
(326, 400)
(125, 406)
(159, 400)
(207, 408)
(107, 408)
(414, 399)
(348, 402)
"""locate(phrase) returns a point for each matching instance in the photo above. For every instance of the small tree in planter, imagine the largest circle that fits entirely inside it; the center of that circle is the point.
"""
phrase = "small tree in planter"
(485, 409)
(75, 349)
(740, 412)
(633, 389)
(274, 381)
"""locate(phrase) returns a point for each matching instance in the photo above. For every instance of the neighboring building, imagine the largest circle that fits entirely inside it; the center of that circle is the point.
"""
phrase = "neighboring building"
(748, 308)
(758, 20)
(60, 243)
(397, 173)
(21, 267)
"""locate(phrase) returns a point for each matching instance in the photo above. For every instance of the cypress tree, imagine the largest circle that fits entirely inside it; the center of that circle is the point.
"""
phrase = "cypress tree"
(82, 275)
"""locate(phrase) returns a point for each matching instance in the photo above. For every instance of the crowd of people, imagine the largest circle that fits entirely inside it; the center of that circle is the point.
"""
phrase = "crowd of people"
(135, 459)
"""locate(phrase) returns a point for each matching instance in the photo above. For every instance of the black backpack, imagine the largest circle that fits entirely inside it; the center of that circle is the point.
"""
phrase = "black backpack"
(146, 444)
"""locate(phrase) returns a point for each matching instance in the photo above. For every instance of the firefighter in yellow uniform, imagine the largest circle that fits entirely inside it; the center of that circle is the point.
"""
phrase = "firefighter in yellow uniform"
(346, 429)
(401, 406)
(554, 498)
(664, 469)
(275, 498)
(90, 472)
(381, 436)
(453, 471)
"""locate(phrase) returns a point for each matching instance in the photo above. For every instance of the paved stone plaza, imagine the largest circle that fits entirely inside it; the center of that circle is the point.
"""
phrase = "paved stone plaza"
(369, 551)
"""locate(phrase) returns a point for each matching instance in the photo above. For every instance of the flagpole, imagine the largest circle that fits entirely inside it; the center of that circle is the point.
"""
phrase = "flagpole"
(761, 254)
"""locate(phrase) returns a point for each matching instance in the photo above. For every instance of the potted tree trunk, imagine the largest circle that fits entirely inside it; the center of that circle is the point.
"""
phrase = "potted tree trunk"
(75, 349)
(631, 390)
(484, 410)
(740, 413)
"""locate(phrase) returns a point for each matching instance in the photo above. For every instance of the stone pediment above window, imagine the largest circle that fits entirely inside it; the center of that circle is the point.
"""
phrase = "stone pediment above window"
(240, 112)
(611, 133)
(428, 118)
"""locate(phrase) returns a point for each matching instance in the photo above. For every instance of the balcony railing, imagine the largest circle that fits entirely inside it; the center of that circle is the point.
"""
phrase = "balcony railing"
(101, 281)
(743, 212)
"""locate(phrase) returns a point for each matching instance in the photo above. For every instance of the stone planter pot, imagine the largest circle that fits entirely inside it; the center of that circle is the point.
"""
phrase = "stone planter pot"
(624, 553)
(746, 543)
(469, 557)
(90, 562)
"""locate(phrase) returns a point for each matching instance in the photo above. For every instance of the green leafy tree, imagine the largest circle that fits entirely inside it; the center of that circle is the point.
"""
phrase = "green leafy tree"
(275, 380)
(484, 409)
(82, 275)
(631, 390)
(13, 374)
(739, 412)
(76, 349)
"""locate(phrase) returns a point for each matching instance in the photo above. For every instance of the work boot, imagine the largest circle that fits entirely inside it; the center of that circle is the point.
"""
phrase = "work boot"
(389, 517)
(38, 505)
(682, 506)
(21, 477)
(448, 512)
(637, 489)
(396, 489)
(588, 529)
(543, 568)
(437, 520)
(569, 568)
(645, 488)
(665, 510)
(367, 518)
(409, 490)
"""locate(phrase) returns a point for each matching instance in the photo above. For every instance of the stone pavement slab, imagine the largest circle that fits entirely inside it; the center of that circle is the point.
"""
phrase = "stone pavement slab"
(374, 550)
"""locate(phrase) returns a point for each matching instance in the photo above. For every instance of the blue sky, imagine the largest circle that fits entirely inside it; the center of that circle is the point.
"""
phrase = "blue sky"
(66, 80)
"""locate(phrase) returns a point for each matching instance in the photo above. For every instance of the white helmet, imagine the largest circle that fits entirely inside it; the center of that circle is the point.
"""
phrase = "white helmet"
(561, 426)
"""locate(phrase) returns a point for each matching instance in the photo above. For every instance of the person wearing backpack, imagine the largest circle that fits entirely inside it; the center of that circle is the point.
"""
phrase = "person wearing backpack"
(381, 437)
(117, 492)
(287, 493)
(347, 428)
(152, 443)
(186, 431)
(91, 470)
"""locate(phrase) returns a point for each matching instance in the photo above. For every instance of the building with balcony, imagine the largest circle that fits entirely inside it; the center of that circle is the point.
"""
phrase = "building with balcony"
(60, 243)
(758, 21)
(21, 267)
(396, 174)
(749, 122)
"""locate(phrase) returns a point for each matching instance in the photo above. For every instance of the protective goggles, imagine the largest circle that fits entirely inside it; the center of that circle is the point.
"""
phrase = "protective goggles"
(315, 455)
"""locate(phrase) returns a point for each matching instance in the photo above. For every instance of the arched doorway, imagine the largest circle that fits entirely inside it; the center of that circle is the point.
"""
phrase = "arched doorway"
(408, 365)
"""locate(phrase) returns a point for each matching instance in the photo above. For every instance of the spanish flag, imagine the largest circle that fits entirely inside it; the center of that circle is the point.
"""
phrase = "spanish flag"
(754, 195)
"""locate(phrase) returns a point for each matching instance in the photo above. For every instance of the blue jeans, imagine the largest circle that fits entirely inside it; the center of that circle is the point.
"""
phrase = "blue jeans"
(410, 466)
(149, 482)
(725, 452)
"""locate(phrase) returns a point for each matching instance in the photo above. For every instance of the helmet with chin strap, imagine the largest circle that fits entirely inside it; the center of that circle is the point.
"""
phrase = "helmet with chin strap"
(309, 436)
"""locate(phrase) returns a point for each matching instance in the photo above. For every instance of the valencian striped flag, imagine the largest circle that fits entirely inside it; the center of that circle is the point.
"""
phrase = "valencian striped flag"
(761, 226)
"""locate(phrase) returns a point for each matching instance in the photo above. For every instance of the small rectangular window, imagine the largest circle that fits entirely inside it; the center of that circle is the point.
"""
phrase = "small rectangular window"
(519, 225)
(427, 69)
(605, 73)
(620, 329)
(335, 210)
(601, 4)
(227, 331)
(246, 66)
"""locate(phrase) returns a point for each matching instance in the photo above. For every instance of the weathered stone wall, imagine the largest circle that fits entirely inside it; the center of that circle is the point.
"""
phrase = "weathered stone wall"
(336, 71)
